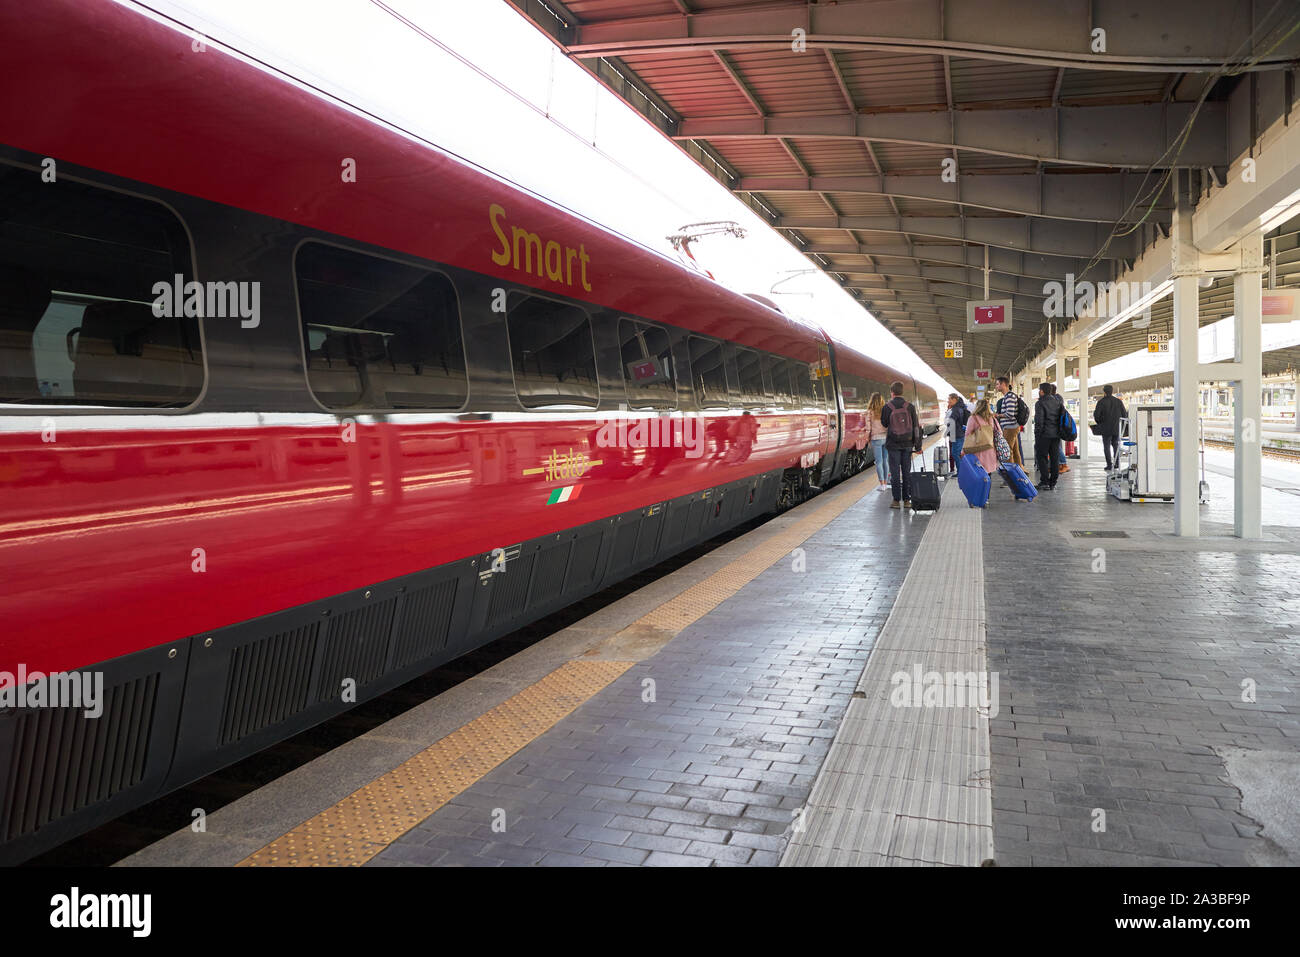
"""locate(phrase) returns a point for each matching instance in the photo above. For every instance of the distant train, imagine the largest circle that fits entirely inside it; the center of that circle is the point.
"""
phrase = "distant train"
(295, 407)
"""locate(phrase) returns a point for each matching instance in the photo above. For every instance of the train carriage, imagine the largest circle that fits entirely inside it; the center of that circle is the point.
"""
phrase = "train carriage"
(293, 403)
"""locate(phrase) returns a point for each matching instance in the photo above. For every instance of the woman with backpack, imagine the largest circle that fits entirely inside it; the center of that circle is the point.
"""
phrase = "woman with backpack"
(876, 436)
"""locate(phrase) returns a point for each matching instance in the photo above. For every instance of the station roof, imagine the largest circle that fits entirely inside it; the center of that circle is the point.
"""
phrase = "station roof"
(837, 121)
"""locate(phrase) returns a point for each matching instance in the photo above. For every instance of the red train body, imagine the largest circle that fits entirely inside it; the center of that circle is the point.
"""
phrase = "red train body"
(279, 505)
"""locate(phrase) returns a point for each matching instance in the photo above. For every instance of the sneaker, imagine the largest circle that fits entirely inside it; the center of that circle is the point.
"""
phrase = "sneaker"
(895, 504)
(1043, 487)
(1063, 469)
(907, 503)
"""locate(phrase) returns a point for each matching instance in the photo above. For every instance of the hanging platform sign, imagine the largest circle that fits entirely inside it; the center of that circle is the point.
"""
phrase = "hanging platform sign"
(952, 348)
(1279, 305)
(1157, 342)
(984, 375)
(991, 314)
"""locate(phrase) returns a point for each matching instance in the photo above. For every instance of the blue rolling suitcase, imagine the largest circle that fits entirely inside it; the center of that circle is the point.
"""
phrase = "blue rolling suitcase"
(974, 481)
(1018, 482)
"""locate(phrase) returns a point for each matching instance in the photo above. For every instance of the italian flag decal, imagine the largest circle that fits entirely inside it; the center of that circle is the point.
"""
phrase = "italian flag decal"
(566, 494)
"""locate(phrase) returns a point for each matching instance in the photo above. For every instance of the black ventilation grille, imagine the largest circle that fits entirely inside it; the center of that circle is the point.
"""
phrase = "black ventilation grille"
(426, 622)
(64, 761)
(625, 544)
(549, 581)
(357, 648)
(645, 546)
(582, 563)
(269, 681)
(510, 589)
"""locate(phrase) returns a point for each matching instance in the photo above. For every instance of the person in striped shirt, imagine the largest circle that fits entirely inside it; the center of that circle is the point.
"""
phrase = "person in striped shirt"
(1008, 411)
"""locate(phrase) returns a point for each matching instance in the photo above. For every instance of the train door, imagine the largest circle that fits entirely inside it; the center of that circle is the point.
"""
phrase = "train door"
(836, 400)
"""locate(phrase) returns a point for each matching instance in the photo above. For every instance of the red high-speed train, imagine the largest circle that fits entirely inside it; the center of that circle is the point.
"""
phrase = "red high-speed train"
(292, 402)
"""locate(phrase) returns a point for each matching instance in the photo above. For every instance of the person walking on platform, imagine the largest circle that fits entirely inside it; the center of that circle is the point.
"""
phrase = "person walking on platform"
(955, 424)
(979, 436)
(1012, 413)
(902, 440)
(1047, 435)
(1061, 459)
(876, 435)
(1107, 415)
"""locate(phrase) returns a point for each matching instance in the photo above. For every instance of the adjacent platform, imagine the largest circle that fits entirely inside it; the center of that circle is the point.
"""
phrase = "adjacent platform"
(748, 709)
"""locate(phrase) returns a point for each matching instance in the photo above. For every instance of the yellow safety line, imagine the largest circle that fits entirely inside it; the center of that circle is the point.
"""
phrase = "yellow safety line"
(365, 822)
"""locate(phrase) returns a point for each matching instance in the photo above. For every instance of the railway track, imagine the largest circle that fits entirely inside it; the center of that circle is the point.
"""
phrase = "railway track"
(1274, 451)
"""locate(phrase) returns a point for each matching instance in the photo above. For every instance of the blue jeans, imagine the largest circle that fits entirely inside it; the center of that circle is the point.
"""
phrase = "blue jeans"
(1060, 453)
(882, 463)
(955, 457)
(900, 474)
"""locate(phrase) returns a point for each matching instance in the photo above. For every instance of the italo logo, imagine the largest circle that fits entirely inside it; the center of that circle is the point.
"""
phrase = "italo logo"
(654, 433)
(1073, 299)
(59, 689)
(945, 689)
(211, 300)
(75, 910)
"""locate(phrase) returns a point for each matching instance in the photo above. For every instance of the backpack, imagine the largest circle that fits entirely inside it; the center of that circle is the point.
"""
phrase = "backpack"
(1022, 411)
(901, 426)
(1066, 427)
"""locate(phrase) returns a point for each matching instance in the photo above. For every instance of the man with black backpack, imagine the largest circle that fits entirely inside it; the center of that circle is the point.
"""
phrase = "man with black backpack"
(1047, 436)
(1012, 414)
(902, 441)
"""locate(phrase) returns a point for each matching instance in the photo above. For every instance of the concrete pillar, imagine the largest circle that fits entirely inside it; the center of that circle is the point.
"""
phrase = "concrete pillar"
(1085, 412)
(1187, 516)
(1186, 262)
(1248, 412)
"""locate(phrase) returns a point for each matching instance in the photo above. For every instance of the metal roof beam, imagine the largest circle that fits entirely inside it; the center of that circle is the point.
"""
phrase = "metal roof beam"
(1079, 197)
(1141, 35)
(1000, 260)
(1047, 236)
(1136, 136)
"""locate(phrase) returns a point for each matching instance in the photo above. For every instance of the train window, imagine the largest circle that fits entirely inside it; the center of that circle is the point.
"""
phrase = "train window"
(709, 373)
(552, 353)
(801, 380)
(81, 322)
(749, 368)
(379, 334)
(781, 382)
(647, 365)
(769, 390)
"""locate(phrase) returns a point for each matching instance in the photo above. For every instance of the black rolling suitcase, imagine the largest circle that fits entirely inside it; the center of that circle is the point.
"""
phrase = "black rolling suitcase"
(925, 490)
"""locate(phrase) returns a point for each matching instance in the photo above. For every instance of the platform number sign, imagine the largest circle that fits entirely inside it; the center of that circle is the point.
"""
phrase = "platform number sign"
(952, 348)
(983, 375)
(1157, 342)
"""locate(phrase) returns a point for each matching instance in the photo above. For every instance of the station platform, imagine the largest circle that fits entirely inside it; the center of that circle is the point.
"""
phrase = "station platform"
(792, 698)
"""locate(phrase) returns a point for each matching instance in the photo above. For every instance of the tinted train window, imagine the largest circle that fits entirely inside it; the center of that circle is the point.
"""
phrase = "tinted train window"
(749, 366)
(552, 352)
(647, 365)
(781, 382)
(379, 334)
(78, 323)
(708, 372)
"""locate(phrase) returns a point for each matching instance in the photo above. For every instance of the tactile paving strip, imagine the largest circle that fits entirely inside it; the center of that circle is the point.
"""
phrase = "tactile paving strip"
(365, 822)
(909, 785)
